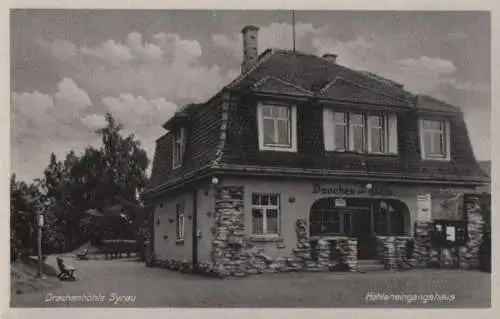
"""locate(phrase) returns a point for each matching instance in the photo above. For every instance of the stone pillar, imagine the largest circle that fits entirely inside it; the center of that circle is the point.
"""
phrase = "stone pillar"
(302, 253)
(228, 230)
(422, 250)
(475, 224)
(349, 253)
(324, 254)
(352, 254)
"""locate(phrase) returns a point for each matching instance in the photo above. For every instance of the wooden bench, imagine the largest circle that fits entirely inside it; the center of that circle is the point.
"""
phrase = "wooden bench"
(83, 255)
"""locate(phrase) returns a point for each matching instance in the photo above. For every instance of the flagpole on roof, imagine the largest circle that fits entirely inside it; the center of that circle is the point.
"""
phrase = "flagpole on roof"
(293, 29)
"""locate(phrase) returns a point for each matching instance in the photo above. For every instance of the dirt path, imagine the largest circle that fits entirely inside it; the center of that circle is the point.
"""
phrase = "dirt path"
(103, 282)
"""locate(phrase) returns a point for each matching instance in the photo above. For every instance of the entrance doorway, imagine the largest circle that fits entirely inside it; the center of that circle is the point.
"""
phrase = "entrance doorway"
(363, 218)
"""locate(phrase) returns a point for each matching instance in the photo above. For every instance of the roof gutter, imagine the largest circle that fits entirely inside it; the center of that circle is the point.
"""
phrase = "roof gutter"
(349, 175)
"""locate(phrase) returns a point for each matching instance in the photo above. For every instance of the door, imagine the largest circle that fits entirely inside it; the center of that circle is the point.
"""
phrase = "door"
(363, 231)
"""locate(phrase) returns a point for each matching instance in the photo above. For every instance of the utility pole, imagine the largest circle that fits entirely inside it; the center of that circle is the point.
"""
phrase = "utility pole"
(293, 28)
(39, 221)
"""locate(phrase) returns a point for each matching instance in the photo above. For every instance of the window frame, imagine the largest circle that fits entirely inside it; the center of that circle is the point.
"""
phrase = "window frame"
(264, 209)
(367, 128)
(384, 127)
(179, 221)
(292, 128)
(342, 225)
(178, 142)
(445, 136)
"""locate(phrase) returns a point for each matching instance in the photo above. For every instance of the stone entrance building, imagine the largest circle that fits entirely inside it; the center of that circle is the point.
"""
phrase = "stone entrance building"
(300, 152)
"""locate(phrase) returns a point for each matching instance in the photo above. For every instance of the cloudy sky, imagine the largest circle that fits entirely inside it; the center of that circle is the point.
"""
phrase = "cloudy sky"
(70, 67)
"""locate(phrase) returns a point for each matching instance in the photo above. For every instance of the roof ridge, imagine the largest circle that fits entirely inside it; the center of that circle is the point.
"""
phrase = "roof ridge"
(266, 55)
(435, 100)
(374, 78)
(329, 84)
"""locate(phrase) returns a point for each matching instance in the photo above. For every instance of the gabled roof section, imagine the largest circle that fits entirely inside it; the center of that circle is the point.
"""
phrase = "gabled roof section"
(311, 73)
(345, 90)
(427, 103)
(273, 85)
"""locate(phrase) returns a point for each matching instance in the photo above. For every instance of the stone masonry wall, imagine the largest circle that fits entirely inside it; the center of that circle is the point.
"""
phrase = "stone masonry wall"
(228, 230)
(428, 256)
(395, 252)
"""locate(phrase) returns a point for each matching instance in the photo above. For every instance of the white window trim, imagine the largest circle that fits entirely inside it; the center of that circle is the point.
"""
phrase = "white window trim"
(389, 129)
(447, 141)
(264, 209)
(178, 137)
(293, 129)
(180, 223)
(385, 132)
(351, 132)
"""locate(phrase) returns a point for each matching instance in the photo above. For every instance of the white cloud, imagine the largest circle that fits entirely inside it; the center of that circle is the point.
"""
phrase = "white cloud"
(94, 121)
(43, 123)
(178, 49)
(426, 64)
(382, 55)
(137, 113)
(147, 51)
(41, 116)
(109, 51)
(168, 66)
(275, 35)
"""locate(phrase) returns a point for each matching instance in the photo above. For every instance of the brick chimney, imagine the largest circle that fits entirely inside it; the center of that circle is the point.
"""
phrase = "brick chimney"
(250, 48)
(330, 57)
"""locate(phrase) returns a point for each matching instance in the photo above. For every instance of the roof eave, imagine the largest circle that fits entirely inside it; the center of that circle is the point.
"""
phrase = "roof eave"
(295, 172)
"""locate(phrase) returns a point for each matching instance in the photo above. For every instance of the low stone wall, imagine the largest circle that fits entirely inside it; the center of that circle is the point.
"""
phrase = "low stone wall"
(396, 252)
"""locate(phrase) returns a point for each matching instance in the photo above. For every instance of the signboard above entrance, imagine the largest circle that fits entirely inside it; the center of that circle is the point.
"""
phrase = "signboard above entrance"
(352, 190)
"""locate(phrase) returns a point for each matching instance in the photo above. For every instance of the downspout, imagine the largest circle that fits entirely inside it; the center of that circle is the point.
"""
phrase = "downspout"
(195, 229)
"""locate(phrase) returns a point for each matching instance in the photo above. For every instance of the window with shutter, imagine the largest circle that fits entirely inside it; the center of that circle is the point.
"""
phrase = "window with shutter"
(374, 133)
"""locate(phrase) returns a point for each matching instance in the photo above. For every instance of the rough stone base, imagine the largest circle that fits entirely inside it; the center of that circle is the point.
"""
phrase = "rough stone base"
(396, 252)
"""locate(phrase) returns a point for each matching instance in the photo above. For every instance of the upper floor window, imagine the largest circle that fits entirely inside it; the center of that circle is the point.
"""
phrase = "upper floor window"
(341, 131)
(435, 139)
(178, 148)
(378, 133)
(277, 127)
(360, 132)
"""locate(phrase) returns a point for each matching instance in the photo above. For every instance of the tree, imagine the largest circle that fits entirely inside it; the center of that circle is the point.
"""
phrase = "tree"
(98, 178)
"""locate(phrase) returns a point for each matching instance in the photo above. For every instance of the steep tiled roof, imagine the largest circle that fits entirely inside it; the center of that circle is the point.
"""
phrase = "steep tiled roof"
(311, 72)
(270, 84)
(427, 103)
(341, 89)
(225, 135)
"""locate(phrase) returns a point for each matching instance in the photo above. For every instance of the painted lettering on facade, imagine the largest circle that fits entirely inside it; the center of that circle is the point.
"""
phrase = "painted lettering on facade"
(351, 190)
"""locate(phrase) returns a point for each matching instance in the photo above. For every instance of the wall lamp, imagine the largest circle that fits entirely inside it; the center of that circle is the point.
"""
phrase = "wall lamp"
(157, 221)
(171, 220)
